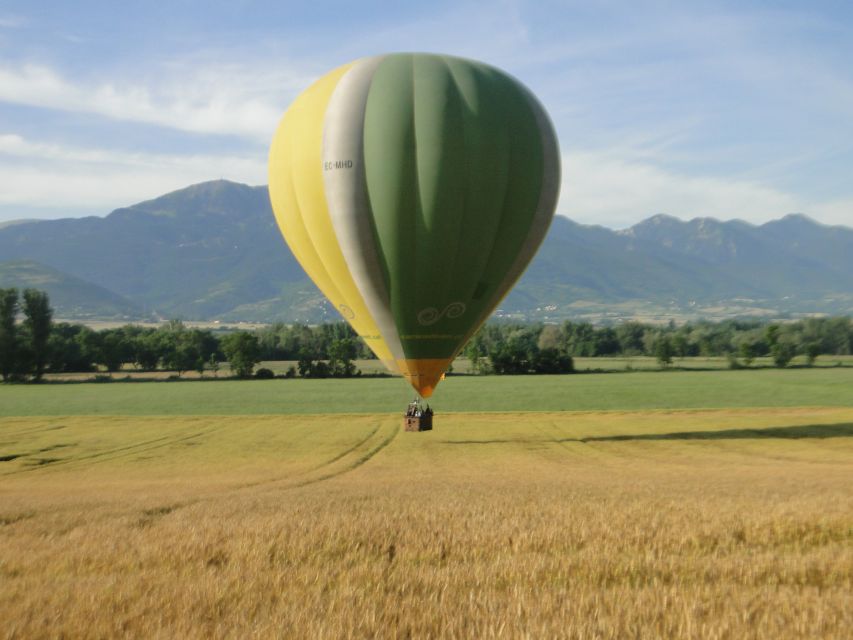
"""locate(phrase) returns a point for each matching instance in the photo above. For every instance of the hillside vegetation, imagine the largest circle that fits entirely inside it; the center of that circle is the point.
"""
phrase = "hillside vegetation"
(74, 297)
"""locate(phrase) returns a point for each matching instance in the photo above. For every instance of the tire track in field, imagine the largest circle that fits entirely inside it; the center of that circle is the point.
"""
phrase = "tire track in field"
(111, 454)
(12, 433)
(346, 452)
(340, 464)
(26, 429)
(361, 443)
(363, 454)
(348, 460)
(343, 462)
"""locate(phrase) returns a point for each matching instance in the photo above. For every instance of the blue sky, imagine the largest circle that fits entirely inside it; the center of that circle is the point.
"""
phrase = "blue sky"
(725, 109)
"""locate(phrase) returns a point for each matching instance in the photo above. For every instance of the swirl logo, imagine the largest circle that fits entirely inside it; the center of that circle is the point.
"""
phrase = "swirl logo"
(346, 312)
(431, 315)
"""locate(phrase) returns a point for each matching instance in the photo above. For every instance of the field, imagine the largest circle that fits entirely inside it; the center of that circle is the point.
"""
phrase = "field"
(582, 392)
(712, 504)
(463, 366)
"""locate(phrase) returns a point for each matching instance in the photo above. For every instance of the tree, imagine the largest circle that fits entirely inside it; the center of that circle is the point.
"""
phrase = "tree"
(341, 354)
(66, 349)
(146, 350)
(605, 342)
(812, 350)
(200, 364)
(8, 333)
(838, 335)
(37, 321)
(750, 345)
(771, 335)
(630, 337)
(113, 349)
(551, 337)
(305, 363)
(514, 355)
(476, 353)
(319, 369)
(183, 349)
(550, 360)
(185, 354)
(580, 339)
(242, 351)
(713, 339)
(295, 340)
(782, 352)
(270, 339)
(680, 344)
(664, 350)
(89, 344)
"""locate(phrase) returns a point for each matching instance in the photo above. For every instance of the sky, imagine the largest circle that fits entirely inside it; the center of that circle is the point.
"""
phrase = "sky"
(724, 109)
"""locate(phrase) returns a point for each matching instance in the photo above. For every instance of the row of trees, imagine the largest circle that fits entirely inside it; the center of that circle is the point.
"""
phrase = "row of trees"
(281, 341)
(521, 348)
(518, 349)
(24, 347)
(172, 347)
(36, 344)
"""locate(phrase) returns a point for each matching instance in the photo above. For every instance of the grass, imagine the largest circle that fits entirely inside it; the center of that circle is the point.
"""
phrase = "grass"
(640, 521)
(613, 391)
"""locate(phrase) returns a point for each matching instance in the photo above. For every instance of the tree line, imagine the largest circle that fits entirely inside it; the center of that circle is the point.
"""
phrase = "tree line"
(538, 348)
(24, 347)
(31, 344)
(37, 344)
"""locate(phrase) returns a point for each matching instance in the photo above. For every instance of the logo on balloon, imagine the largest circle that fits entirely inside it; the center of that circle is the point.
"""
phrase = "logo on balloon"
(346, 312)
(431, 315)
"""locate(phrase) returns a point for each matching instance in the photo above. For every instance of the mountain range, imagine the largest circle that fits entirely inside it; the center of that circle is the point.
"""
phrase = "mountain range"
(213, 251)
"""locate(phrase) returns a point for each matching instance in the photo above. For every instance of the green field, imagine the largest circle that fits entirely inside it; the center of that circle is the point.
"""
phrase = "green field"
(579, 392)
(710, 504)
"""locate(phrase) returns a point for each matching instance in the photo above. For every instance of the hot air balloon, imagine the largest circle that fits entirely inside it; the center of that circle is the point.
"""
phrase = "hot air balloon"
(414, 189)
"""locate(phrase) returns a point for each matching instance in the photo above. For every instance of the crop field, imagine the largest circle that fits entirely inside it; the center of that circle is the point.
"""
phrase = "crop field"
(712, 504)
(581, 392)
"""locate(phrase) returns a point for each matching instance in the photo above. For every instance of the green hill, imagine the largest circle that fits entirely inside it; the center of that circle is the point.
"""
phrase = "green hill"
(71, 297)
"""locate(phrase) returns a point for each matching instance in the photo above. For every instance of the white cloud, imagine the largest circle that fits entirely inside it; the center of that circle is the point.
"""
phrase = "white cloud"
(599, 187)
(602, 188)
(44, 176)
(245, 168)
(222, 99)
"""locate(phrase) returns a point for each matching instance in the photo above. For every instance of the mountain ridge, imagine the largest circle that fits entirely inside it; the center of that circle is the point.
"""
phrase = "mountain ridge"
(213, 251)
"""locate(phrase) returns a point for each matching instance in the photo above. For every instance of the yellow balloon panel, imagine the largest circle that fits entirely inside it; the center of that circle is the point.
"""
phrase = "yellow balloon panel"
(299, 203)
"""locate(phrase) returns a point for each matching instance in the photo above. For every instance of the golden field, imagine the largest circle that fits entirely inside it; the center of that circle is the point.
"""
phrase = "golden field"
(689, 524)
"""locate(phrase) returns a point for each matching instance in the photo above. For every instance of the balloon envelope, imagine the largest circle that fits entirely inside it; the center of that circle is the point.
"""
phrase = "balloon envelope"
(414, 189)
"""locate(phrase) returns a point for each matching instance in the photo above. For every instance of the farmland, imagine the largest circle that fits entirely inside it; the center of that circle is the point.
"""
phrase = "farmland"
(616, 391)
(705, 504)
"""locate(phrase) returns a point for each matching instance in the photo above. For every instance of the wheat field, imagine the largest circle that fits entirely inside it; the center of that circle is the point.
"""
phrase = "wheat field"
(643, 524)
